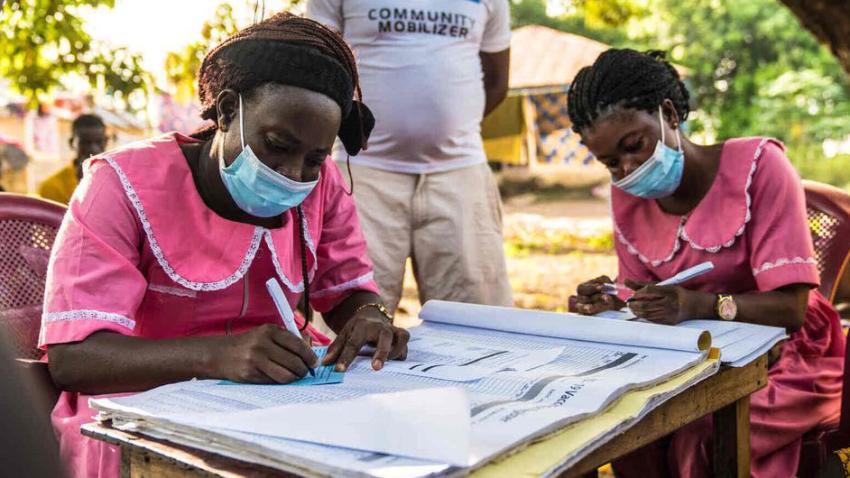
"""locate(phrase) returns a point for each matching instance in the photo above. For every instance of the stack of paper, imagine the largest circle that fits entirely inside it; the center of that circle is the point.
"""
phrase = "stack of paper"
(740, 343)
(479, 382)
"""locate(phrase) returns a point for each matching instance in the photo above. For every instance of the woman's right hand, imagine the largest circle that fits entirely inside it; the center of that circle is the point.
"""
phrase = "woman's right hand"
(590, 300)
(265, 354)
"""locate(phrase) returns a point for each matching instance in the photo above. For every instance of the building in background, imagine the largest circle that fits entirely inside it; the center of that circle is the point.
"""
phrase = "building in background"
(532, 127)
(44, 133)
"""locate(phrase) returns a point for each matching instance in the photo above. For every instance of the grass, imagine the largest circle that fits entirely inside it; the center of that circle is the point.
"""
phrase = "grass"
(523, 243)
(833, 170)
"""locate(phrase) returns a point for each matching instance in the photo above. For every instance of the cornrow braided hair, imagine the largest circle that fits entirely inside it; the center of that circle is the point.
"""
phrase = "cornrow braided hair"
(628, 79)
(218, 73)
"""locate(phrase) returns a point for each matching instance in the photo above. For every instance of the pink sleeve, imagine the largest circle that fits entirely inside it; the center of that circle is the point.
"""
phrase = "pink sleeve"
(779, 240)
(343, 264)
(93, 282)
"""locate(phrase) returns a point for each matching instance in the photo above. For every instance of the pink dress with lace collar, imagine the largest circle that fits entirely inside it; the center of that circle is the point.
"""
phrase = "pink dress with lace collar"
(139, 253)
(752, 225)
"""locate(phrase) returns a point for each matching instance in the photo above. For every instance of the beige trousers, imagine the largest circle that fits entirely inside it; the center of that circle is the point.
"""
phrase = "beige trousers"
(449, 223)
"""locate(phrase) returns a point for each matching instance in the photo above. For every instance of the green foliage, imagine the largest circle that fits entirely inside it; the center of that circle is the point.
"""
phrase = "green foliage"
(813, 165)
(181, 68)
(521, 242)
(755, 71)
(609, 13)
(43, 41)
(533, 12)
(752, 68)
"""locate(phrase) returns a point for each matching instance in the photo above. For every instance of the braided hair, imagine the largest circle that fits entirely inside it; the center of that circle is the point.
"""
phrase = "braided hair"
(218, 72)
(628, 79)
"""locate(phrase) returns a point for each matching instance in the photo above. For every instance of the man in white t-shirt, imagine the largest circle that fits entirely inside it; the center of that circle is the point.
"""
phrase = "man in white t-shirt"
(430, 70)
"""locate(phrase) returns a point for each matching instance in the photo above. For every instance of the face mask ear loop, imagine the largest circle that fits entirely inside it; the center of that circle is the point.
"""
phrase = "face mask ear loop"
(350, 177)
(679, 140)
(241, 129)
(308, 310)
(220, 149)
(660, 123)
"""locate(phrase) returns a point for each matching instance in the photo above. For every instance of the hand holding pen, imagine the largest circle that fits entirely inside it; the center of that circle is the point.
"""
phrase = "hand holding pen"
(666, 302)
(595, 296)
(286, 314)
(663, 302)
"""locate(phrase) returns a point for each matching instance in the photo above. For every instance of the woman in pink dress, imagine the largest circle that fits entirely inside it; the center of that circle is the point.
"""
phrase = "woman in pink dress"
(738, 204)
(158, 272)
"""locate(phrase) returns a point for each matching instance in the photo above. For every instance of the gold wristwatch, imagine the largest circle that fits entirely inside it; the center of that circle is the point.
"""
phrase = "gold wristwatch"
(725, 307)
(377, 305)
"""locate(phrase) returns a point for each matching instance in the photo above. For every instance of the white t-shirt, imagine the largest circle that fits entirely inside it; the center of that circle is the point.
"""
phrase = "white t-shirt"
(421, 75)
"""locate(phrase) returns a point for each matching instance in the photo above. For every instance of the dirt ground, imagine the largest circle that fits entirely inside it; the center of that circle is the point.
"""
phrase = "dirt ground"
(542, 279)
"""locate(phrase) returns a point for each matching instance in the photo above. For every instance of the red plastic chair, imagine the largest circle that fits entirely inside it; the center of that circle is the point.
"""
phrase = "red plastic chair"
(28, 228)
(828, 210)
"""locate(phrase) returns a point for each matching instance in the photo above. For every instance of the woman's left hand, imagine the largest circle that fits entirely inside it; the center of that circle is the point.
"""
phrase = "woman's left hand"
(667, 305)
(368, 327)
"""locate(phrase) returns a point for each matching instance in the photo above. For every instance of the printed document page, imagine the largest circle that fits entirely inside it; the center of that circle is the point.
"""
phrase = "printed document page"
(567, 326)
(739, 343)
(431, 354)
(507, 407)
(416, 430)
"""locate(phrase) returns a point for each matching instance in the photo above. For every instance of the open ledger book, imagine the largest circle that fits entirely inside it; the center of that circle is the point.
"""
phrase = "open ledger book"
(479, 382)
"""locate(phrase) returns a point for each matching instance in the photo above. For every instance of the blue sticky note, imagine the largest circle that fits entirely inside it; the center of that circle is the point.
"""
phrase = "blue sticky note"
(325, 374)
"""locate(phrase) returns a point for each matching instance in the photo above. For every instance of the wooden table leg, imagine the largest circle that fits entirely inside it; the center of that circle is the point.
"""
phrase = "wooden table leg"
(732, 440)
(125, 462)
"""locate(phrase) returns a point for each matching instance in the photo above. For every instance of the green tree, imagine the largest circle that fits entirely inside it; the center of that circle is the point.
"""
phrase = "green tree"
(181, 68)
(735, 51)
(753, 69)
(578, 20)
(44, 41)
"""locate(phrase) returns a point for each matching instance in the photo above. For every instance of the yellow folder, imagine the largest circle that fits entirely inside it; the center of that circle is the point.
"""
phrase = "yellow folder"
(541, 457)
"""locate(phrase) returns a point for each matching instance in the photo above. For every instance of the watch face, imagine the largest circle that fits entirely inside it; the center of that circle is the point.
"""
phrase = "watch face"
(727, 309)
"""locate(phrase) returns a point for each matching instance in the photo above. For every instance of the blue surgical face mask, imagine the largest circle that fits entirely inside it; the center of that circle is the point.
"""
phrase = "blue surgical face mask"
(256, 188)
(661, 174)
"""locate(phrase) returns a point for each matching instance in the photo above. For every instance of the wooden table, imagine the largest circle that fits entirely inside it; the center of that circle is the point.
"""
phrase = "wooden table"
(726, 394)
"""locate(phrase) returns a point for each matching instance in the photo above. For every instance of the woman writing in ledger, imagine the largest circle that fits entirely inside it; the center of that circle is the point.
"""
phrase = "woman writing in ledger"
(158, 272)
(739, 204)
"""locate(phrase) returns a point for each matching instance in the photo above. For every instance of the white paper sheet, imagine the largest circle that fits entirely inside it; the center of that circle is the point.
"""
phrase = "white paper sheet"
(418, 429)
(622, 314)
(505, 408)
(435, 356)
(567, 326)
(739, 343)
